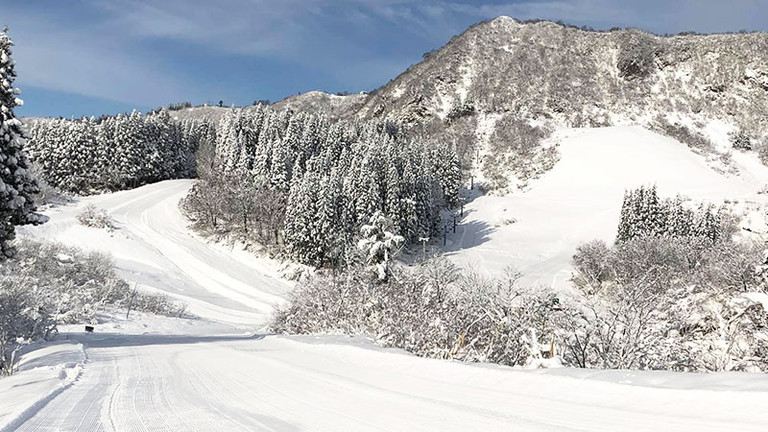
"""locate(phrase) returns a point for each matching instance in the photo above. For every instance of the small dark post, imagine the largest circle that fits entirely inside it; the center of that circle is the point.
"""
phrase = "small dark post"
(445, 234)
(133, 296)
(454, 224)
(471, 183)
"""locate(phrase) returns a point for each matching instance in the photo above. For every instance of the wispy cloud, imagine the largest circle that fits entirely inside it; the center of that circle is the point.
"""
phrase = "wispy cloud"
(82, 63)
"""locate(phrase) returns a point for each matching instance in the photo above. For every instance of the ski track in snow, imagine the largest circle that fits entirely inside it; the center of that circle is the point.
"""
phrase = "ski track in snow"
(162, 374)
(157, 382)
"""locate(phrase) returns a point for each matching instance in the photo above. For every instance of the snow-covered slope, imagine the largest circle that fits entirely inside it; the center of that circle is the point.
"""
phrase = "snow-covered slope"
(153, 247)
(139, 377)
(579, 200)
(43, 374)
(168, 374)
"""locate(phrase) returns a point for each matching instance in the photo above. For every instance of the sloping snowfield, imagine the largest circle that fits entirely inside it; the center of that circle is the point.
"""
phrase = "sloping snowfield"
(152, 246)
(580, 200)
(220, 374)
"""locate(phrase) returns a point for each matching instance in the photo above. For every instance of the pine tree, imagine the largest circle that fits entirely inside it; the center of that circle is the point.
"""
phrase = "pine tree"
(379, 244)
(17, 184)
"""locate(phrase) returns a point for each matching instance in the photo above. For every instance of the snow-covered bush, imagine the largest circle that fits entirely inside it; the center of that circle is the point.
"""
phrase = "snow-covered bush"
(78, 282)
(93, 217)
(592, 262)
(664, 302)
(740, 140)
(429, 310)
(24, 318)
(48, 284)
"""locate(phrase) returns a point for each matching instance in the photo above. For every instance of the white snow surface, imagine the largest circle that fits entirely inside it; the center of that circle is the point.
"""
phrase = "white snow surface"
(219, 373)
(153, 247)
(537, 230)
(167, 374)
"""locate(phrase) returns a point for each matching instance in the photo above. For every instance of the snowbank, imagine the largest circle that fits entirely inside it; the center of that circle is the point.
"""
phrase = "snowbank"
(44, 372)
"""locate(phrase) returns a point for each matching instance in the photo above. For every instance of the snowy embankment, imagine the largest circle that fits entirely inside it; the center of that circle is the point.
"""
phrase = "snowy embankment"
(538, 230)
(43, 373)
(156, 373)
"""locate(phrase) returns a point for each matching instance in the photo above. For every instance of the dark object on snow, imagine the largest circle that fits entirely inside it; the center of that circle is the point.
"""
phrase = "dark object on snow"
(89, 329)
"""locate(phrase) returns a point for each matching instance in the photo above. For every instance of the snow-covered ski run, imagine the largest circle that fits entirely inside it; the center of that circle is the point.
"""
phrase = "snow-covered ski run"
(220, 373)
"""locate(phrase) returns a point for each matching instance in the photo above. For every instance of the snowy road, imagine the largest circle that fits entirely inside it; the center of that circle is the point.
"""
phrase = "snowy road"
(152, 246)
(245, 383)
(165, 374)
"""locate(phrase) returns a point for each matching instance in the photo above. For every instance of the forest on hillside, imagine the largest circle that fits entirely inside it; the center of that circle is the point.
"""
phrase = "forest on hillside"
(293, 182)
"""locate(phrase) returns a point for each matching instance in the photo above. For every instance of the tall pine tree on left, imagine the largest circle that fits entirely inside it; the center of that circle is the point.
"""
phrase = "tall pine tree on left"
(17, 183)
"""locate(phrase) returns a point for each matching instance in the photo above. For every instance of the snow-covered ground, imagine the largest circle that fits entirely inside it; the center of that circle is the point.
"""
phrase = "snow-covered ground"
(220, 373)
(43, 374)
(154, 373)
(537, 230)
(153, 247)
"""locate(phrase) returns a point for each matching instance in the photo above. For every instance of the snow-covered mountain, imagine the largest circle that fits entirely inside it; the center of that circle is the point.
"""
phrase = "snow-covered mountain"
(547, 71)
(532, 79)
(334, 107)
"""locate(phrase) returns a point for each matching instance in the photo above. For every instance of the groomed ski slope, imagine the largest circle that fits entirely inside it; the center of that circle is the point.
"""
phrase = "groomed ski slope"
(206, 380)
(166, 374)
(153, 247)
(580, 200)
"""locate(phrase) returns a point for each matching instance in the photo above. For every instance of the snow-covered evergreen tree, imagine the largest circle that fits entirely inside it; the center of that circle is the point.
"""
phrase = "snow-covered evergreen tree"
(643, 213)
(331, 178)
(17, 184)
(379, 244)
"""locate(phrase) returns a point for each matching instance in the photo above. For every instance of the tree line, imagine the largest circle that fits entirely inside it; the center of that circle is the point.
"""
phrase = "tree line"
(112, 153)
(678, 300)
(305, 185)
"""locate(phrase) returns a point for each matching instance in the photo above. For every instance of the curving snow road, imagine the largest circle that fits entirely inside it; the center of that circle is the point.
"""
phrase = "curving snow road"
(152, 246)
(164, 374)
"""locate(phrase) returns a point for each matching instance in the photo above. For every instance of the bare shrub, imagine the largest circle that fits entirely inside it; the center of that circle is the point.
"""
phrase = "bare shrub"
(429, 310)
(668, 303)
(228, 205)
(516, 146)
(693, 139)
(592, 262)
(762, 151)
(48, 194)
(637, 54)
(93, 217)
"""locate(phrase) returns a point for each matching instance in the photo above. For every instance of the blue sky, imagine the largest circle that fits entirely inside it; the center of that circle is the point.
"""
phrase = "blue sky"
(88, 57)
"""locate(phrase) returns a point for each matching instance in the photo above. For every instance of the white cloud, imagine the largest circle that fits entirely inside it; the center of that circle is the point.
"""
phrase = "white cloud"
(110, 55)
(81, 63)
